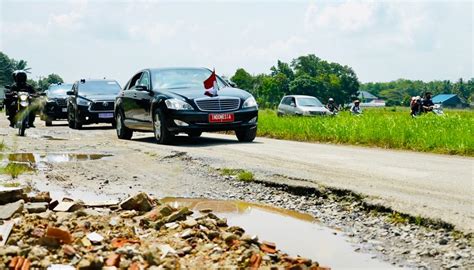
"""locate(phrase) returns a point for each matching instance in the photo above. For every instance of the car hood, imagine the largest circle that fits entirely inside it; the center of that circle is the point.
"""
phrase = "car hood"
(194, 93)
(313, 109)
(99, 97)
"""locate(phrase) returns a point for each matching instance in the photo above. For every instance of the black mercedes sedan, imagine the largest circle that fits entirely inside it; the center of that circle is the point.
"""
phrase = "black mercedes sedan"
(169, 101)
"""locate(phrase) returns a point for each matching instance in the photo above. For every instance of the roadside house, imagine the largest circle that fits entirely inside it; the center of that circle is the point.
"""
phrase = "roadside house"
(367, 99)
(449, 100)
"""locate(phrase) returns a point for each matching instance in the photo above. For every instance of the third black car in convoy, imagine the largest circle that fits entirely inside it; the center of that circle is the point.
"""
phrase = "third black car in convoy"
(55, 106)
(92, 102)
(168, 101)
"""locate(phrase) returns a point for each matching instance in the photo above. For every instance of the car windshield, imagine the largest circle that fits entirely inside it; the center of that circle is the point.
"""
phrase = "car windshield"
(309, 102)
(56, 91)
(99, 88)
(182, 78)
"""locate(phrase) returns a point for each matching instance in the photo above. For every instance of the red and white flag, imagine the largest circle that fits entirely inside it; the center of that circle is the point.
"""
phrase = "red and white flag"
(210, 84)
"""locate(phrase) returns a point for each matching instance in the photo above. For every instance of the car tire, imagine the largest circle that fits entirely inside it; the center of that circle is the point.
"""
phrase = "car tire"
(123, 132)
(279, 114)
(246, 134)
(194, 134)
(160, 128)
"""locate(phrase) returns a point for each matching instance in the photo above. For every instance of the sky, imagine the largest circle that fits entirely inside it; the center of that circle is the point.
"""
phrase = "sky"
(380, 40)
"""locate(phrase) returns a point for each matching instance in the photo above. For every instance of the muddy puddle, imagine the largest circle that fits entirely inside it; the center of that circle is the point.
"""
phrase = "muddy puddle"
(295, 233)
(33, 161)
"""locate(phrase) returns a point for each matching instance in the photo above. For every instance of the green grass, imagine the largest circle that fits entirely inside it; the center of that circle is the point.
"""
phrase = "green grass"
(452, 133)
(241, 175)
(245, 176)
(15, 169)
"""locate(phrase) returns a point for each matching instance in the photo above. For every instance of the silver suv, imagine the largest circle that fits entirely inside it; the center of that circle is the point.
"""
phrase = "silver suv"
(301, 105)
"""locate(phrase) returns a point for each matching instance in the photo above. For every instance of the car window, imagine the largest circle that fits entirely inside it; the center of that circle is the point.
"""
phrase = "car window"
(286, 101)
(182, 78)
(99, 87)
(145, 79)
(134, 80)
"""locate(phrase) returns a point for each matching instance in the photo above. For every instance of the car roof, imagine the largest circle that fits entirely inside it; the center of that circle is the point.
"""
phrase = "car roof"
(300, 96)
(176, 68)
(97, 80)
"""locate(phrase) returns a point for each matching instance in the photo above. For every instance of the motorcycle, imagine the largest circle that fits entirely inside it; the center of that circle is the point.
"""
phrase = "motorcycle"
(23, 112)
(438, 109)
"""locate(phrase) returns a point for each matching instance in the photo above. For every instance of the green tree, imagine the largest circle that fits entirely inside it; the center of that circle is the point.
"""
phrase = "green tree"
(44, 83)
(243, 79)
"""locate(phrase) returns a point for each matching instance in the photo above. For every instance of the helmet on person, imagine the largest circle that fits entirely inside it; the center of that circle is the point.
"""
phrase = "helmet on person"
(356, 101)
(331, 100)
(19, 76)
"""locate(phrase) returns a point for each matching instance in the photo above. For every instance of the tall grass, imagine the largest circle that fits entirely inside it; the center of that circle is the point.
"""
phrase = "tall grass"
(388, 128)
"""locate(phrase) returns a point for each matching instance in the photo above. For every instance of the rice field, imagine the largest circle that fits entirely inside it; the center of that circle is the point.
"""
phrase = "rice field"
(394, 128)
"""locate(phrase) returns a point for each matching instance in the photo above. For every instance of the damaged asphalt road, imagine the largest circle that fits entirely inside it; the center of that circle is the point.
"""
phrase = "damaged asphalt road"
(394, 179)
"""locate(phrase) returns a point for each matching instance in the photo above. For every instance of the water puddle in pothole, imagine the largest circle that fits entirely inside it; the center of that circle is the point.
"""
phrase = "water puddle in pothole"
(294, 233)
(34, 161)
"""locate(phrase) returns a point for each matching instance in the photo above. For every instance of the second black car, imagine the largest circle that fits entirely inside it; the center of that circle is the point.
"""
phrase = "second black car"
(92, 102)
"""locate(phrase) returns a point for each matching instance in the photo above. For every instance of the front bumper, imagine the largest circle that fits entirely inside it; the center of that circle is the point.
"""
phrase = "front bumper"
(86, 116)
(54, 111)
(199, 121)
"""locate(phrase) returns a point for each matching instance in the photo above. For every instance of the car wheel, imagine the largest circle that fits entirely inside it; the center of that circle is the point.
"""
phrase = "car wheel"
(279, 114)
(246, 134)
(123, 132)
(160, 128)
(194, 134)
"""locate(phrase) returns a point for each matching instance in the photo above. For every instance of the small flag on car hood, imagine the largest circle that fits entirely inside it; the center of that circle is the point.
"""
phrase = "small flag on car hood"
(210, 84)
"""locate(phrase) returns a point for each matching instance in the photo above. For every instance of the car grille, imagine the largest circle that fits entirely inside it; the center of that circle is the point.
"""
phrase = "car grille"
(218, 104)
(102, 106)
(61, 101)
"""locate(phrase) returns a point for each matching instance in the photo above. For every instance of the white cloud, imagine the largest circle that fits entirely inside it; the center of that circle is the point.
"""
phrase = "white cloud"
(345, 16)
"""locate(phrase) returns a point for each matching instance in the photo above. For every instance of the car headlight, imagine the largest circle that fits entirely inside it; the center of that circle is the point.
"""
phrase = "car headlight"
(82, 102)
(24, 103)
(176, 104)
(250, 102)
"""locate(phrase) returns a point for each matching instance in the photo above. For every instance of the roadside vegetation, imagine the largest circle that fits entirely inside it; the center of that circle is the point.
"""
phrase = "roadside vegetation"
(239, 174)
(387, 128)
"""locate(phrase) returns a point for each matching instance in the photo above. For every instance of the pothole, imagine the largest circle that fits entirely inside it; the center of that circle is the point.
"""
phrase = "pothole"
(296, 233)
(33, 161)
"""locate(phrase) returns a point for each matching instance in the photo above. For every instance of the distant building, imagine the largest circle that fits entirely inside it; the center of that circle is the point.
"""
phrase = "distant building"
(449, 100)
(369, 100)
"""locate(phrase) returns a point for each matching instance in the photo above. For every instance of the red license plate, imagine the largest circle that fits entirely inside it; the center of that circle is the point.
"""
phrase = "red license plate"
(221, 117)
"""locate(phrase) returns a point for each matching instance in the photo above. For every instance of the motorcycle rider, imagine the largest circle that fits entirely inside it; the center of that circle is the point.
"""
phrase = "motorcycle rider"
(427, 104)
(332, 107)
(20, 85)
(355, 108)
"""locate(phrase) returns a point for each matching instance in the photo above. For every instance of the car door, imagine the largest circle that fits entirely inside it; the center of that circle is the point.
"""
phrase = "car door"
(144, 98)
(129, 102)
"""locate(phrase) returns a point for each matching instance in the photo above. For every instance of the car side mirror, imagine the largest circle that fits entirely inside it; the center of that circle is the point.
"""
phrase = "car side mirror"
(141, 87)
(292, 104)
(70, 93)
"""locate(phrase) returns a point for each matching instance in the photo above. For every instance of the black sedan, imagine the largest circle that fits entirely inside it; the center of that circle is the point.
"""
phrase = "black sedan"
(55, 106)
(169, 101)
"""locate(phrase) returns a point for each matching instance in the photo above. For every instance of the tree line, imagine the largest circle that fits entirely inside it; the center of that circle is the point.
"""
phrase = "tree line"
(305, 75)
(399, 92)
(9, 65)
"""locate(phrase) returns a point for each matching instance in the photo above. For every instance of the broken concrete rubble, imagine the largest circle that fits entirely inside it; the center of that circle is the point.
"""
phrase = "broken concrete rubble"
(11, 194)
(165, 237)
(140, 202)
(8, 210)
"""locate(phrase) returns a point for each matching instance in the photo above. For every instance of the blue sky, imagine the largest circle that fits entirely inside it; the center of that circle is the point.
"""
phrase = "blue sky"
(381, 40)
